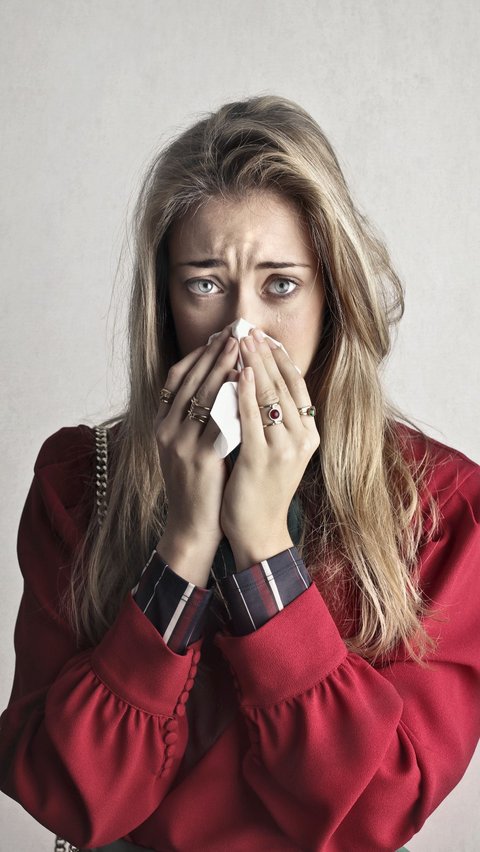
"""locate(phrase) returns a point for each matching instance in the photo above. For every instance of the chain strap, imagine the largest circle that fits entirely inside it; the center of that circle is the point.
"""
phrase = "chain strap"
(65, 846)
(102, 471)
(101, 447)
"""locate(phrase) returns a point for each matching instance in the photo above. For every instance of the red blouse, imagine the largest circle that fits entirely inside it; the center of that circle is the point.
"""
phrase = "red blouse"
(317, 750)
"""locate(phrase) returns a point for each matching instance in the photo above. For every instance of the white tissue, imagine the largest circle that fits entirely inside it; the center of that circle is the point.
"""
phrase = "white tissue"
(240, 328)
(225, 408)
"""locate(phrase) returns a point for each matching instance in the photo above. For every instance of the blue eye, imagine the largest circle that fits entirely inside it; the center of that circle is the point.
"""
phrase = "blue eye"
(199, 286)
(285, 281)
(199, 281)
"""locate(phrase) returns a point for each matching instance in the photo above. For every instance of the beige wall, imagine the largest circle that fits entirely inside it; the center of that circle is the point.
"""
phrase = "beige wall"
(89, 89)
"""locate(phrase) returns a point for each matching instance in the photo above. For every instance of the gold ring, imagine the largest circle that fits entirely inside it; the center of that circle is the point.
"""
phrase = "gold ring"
(166, 396)
(192, 416)
(195, 403)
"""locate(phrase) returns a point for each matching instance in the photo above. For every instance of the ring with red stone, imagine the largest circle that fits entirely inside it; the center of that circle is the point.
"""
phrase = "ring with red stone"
(274, 414)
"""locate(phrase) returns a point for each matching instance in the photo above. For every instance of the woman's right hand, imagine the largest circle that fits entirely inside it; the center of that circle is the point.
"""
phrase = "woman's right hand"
(195, 476)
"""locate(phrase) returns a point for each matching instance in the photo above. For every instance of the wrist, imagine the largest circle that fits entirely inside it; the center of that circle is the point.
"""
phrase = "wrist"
(189, 557)
(250, 553)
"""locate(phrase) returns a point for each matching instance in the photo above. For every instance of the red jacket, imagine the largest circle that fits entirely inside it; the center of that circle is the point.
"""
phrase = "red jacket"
(321, 750)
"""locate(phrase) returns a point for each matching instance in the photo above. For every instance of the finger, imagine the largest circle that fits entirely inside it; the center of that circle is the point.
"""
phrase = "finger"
(296, 384)
(233, 376)
(253, 433)
(186, 382)
(208, 390)
(290, 384)
(270, 384)
(175, 377)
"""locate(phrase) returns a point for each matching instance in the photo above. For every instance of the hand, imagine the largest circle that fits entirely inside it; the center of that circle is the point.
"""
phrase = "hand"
(194, 474)
(271, 461)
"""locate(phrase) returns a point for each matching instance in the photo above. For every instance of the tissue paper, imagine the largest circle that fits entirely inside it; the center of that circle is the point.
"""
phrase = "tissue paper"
(240, 328)
(225, 408)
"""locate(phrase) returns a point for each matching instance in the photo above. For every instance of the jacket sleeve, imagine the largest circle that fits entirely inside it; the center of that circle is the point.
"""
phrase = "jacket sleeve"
(91, 740)
(340, 749)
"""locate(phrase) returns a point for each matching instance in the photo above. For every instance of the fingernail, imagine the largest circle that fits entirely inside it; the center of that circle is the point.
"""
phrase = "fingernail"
(230, 344)
(258, 335)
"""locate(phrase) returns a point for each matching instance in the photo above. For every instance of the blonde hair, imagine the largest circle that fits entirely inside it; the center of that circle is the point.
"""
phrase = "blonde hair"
(362, 490)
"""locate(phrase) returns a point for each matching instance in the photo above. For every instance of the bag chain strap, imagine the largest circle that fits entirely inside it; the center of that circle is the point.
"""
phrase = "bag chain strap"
(102, 471)
(101, 446)
(65, 846)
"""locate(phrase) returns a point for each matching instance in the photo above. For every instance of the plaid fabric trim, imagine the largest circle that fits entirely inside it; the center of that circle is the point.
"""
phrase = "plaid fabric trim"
(257, 594)
(179, 609)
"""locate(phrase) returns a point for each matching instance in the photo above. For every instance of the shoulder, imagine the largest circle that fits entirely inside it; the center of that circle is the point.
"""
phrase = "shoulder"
(65, 468)
(449, 471)
(452, 482)
(66, 463)
(62, 493)
(69, 443)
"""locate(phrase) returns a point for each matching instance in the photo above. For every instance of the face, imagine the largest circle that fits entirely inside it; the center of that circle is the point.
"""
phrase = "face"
(250, 259)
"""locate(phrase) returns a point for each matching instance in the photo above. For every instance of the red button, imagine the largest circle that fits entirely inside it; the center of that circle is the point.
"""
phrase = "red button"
(184, 697)
(180, 709)
(171, 738)
(167, 764)
(193, 671)
(170, 751)
(171, 725)
(189, 684)
(196, 656)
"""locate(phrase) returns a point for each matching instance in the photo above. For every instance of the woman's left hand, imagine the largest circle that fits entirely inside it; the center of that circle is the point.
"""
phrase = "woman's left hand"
(272, 460)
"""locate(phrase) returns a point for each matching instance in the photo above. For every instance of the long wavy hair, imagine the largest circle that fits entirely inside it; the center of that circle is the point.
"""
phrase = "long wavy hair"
(361, 494)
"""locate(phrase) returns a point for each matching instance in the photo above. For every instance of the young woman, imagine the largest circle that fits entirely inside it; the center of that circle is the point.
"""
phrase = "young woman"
(277, 649)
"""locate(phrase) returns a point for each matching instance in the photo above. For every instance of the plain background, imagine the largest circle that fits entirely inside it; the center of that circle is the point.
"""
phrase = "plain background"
(90, 90)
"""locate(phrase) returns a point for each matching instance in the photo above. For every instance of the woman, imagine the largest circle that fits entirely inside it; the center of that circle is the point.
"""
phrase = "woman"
(275, 650)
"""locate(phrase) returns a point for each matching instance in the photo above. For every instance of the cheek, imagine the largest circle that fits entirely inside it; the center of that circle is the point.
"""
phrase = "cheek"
(301, 338)
(192, 332)
(189, 331)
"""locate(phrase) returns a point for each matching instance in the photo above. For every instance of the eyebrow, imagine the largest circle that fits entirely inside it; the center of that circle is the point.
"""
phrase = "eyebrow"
(213, 262)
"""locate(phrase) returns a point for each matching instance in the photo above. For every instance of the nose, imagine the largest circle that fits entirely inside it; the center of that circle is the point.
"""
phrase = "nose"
(245, 305)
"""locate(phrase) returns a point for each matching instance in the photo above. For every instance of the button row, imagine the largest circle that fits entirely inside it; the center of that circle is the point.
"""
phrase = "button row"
(172, 724)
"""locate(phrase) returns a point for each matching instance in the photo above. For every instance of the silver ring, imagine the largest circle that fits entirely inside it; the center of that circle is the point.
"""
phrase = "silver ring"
(274, 414)
(308, 410)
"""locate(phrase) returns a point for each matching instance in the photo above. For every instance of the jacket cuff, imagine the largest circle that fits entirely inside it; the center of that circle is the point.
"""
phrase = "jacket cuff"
(177, 608)
(256, 595)
(288, 655)
(134, 662)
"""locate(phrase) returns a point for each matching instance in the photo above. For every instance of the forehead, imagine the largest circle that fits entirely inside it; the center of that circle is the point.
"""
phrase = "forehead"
(261, 220)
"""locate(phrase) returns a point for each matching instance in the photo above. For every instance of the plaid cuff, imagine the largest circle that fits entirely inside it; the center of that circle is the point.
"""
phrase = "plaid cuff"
(255, 595)
(176, 607)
